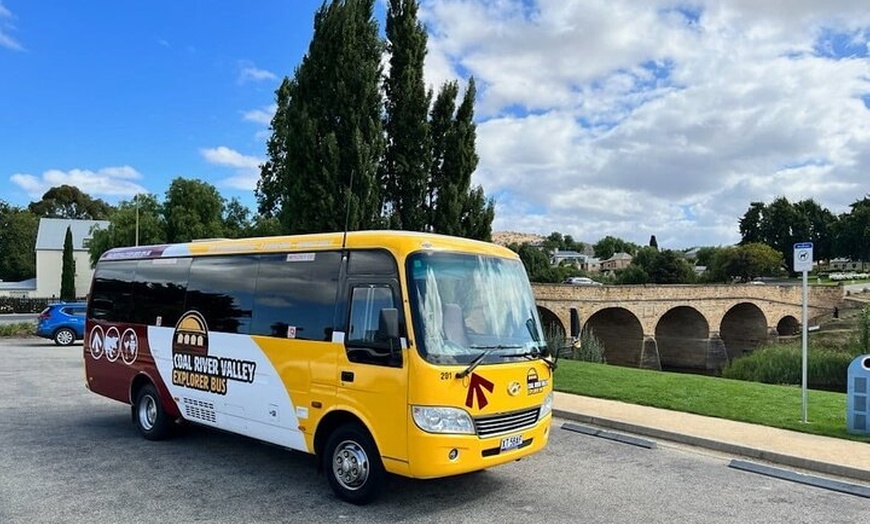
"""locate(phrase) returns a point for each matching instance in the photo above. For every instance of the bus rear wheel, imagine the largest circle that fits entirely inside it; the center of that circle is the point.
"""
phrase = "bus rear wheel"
(149, 416)
(353, 465)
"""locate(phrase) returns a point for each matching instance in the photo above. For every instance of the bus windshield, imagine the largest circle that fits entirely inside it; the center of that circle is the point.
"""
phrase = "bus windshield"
(465, 306)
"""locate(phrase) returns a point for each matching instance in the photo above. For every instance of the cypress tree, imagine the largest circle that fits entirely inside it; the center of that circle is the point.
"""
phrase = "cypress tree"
(407, 159)
(441, 123)
(327, 138)
(459, 209)
(68, 269)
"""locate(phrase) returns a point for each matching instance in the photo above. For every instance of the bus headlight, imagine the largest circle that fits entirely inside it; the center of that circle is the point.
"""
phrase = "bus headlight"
(546, 407)
(442, 420)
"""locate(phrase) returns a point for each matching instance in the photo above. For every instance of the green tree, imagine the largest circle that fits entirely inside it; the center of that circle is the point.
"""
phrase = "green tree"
(781, 224)
(853, 232)
(633, 274)
(440, 125)
(68, 269)
(669, 267)
(265, 227)
(457, 208)
(817, 225)
(752, 222)
(706, 255)
(408, 156)
(658, 267)
(609, 245)
(18, 229)
(744, 263)
(192, 209)
(327, 134)
(121, 231)
(556, 240)
(536, 262)
(69, 202)
(236, 219)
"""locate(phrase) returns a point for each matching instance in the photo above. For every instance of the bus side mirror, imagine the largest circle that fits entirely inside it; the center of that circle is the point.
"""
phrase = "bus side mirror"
(388, 324)
(575, 323)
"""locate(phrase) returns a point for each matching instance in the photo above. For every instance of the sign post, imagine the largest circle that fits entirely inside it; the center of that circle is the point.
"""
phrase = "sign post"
(803, 263)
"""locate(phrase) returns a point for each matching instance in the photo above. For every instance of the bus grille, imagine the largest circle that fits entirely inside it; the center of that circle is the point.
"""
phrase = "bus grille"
(505, 422)
(199, 410)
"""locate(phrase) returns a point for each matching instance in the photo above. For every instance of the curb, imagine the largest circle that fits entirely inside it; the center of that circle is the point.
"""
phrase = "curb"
(725, 447)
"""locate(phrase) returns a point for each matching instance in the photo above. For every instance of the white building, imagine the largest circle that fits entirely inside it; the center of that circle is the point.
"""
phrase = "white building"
(49, 254)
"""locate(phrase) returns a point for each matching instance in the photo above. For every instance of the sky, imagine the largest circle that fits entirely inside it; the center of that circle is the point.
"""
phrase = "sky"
(628, 118)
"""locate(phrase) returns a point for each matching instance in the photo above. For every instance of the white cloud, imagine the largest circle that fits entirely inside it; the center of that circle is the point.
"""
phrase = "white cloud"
(262, 116)
(247, 168)
(617, 117)
(109, 181)
(250, 73)
(6, 25)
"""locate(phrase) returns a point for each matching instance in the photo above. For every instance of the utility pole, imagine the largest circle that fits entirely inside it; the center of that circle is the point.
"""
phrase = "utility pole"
(137, 218)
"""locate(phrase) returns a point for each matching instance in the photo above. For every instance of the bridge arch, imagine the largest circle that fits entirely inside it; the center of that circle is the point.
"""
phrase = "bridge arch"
(553, 327)
(788, 325)
(683, 336)
(743, 329)
(621, 334)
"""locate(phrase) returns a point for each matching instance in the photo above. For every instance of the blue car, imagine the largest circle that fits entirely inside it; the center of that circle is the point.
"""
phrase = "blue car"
(63, 322)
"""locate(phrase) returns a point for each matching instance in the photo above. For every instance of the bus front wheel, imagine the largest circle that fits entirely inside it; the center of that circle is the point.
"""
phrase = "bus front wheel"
(149, 416)
(353, 465)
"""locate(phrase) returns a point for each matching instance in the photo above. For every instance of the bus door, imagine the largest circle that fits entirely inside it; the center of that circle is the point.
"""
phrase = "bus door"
(373, 372)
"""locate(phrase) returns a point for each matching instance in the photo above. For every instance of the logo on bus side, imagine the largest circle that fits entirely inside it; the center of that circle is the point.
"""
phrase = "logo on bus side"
(194, 368)
(112, 344)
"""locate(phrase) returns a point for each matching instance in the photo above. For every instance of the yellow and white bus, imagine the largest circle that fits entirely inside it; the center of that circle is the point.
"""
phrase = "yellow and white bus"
(379, 351)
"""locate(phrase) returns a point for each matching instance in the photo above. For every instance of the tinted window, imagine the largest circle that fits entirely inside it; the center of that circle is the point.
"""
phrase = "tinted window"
(78, 311)
(158, 291)
(111, 291)
(371, 263)
(296, 295)
(222, 289)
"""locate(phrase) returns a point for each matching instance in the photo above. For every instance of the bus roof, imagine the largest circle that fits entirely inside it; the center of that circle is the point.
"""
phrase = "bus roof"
(395, 241)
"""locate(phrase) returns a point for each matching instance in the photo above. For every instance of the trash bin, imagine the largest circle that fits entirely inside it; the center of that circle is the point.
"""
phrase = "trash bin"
(858, 391)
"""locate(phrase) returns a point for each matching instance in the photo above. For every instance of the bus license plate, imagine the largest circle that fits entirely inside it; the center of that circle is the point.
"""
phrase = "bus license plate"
(509, 443)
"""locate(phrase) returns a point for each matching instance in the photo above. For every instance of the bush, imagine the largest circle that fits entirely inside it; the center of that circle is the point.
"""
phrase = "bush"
(782, 364)
(864, 330)
(23, 305)
(589, 349)
(19, 329)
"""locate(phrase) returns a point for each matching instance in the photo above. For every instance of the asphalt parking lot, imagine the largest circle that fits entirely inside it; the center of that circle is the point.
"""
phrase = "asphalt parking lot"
(72, 456)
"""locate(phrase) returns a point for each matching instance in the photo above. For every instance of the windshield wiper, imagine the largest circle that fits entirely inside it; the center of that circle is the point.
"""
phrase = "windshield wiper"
(474, 363)
(479, 358)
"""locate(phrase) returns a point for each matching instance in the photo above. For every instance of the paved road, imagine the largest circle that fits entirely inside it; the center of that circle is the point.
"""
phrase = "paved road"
(71, 456)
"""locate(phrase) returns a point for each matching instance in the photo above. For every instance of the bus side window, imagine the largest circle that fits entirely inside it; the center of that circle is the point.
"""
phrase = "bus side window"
(295, 295)
(363, 343)
(111, 296)
(158, 291)
(221, 288)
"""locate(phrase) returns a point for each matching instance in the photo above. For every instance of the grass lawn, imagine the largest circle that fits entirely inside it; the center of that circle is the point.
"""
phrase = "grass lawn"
(765, 404)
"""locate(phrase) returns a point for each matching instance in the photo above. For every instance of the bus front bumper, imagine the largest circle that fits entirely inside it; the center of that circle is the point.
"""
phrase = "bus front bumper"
(437, 455)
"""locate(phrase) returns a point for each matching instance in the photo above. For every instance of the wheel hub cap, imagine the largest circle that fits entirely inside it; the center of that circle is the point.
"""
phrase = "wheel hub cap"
(350, 465)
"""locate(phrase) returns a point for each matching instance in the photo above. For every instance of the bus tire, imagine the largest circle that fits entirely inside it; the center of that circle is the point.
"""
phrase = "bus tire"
(353, 465)
(149, 416)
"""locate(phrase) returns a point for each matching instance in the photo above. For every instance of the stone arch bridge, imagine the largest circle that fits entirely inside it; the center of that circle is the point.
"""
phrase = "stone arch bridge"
(682, 327)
